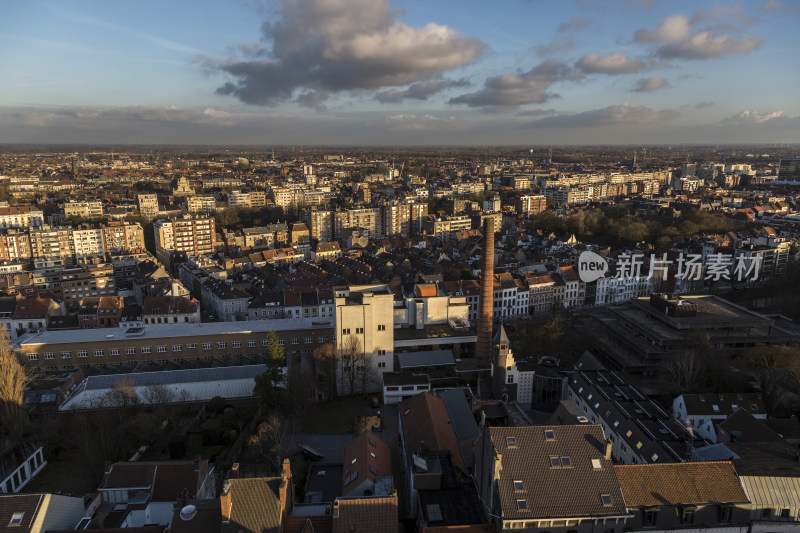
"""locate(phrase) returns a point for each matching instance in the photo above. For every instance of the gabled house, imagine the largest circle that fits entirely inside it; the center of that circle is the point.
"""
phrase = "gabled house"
(256, 505)
(672, 496)
(366, 459)
(549, 478)
(39, 513)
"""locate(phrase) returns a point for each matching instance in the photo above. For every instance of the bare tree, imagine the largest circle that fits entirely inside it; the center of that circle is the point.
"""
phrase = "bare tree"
(122, 395)
(684, 370)
(351, 356)
(13, 381)
(778, 371)
(273, 439)
(158, 395)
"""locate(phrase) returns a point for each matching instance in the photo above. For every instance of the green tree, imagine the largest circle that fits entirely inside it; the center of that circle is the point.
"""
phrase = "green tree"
(267, 384)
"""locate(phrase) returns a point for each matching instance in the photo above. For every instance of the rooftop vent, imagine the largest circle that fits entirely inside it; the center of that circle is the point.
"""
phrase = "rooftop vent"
(188, 512)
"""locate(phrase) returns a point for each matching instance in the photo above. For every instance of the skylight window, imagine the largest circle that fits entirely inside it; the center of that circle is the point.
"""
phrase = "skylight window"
(606, 499)
(16, 519)
(565, 462)
(519, 486)
(596, 464)
(555, 462)
(511, 442)
(522, 505)
(715, 407)
(549, 434)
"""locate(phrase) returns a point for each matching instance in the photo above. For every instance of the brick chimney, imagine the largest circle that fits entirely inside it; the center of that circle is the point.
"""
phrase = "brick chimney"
(609, 446)
(225, 501)
(285, 491)
(483, 349)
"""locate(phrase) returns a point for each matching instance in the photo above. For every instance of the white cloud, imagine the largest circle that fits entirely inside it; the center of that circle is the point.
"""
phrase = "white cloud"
(418, 91)
(678, 37)
(653, 83)
(329, 46)
(626, 113)
(754, 117)
(616, 63)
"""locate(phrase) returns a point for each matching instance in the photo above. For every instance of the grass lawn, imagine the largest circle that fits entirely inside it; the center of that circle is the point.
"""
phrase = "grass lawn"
(337, 416)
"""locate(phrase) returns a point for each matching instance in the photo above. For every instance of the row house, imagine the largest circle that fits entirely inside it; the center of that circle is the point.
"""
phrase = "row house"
(170, 310)
(540, 292)
(99, 312)
(224, 300)
(511, 297)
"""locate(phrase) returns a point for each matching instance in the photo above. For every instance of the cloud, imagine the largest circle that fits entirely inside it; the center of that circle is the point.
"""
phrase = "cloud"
(519, 88)
(777, 5)
(331, 46)
(538, 113)
(754, 117)
(703, 105)
(654, 83)
(54, 116)
(616, 63)
(418, 91)
(626, 113)
(414, 122)
(563, 39)
(678, 37)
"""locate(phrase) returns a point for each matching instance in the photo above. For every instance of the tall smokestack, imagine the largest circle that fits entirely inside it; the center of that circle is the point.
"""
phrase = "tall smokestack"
(484, 347)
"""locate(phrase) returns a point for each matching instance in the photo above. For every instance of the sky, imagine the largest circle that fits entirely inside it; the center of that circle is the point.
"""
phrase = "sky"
(402, 72)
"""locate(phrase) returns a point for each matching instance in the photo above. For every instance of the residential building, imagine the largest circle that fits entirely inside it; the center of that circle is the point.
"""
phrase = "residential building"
(148, 205)
(203, 204)
(89, 280)
(256, 505)
(690, 496)
(702, 412)
(320, 224)
(225, 300)
(530, 205)
(21, 217)
(39, 513)
(366, 459)
(549, 478)
(193, 236)
(170, 310)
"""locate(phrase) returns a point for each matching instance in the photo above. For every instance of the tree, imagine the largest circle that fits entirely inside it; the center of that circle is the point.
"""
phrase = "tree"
(13, 381)
(272, 439)
(122, 395)
(267, 384)
(325, 361)
(778, 372)
(350, 355)
(158, 395)
(684, 370)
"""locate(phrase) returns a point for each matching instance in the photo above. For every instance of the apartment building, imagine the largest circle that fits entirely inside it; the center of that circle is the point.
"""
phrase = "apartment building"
(446, 228)
(120, 237)
(530, 205)
(15, 245)
(52, 242)
(88, 242)
(365, 325)
(368, 220)
(91, 280)
(194, 236)
(88, 209)
(148, 205)
(20, 217)
(201, 204)
(320, 223)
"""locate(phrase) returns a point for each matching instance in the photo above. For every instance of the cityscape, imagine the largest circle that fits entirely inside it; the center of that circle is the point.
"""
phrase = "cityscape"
(304, 266)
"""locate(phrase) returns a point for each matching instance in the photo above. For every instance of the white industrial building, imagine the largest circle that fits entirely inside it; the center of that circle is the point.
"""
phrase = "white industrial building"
(193, 385)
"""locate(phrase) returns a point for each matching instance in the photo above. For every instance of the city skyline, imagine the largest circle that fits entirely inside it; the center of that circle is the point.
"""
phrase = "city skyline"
(399, 73)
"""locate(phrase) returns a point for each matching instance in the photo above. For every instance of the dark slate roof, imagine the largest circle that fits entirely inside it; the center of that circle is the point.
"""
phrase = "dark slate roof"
(680, 484)
(171, 377)
(569, 491)
(28, 504)
(460, 413)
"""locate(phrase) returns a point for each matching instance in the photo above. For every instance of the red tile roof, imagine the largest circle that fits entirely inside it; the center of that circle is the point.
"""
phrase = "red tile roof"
(426, 423)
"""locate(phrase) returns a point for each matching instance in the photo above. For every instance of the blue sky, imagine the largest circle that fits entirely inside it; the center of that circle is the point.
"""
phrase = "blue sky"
(525, 72)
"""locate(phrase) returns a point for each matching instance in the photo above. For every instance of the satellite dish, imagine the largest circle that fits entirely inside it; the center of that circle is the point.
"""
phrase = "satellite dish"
(188, 512)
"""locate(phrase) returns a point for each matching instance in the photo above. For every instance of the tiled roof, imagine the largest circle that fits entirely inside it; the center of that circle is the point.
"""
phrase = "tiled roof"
(369, 456)
(426, 422)
(255, 507)
(28, 504)
(573, 488)
(679, 484)
(366, 514)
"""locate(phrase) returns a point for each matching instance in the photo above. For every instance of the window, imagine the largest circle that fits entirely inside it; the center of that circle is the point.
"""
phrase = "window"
(236, 344)
(372, 442)
(16, 519)
(565, 462)
(321, 340)
(373, 470)
(555, 462)
(281, 342)
(294, 340)
(766, 514)
(34, 356)
(381, 352)
(130, 351)
(114, 351)
(83, 353)
(308, 340)
(381, 327)
(161, 349)
(519, 486)
(264, 342)
(346, 331)
(510, 378)
(725, 513)
(382, 364)
(785, 514)
(49, 355)
(191, 346)
(177, 347)
(66, 355)
(522, 505)
(222, 345)
(606, 499)
(147, 349)
(549, 434)
(688, 515)
(650, 517)
(251, 344)
(511, 442)
(99, 353)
